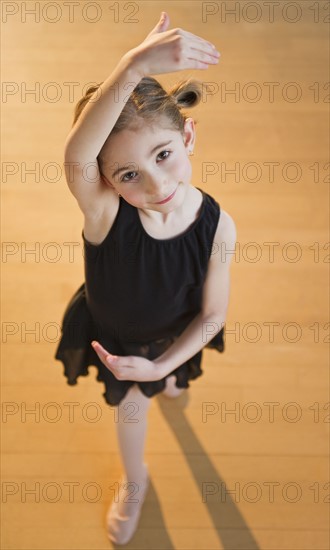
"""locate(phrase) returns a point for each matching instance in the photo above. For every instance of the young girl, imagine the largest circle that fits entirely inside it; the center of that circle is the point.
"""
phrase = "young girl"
(157, 250)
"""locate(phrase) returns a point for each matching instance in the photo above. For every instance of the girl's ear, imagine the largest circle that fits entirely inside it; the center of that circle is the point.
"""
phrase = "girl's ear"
(189, 134)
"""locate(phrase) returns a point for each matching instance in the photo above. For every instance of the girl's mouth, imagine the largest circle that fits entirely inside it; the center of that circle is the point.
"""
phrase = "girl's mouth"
(168, 198)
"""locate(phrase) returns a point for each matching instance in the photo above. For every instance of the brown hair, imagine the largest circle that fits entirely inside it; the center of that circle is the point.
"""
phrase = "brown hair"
(148, 100)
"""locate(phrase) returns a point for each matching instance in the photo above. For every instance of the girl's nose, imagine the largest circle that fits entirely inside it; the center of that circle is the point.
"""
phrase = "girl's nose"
(156, 188)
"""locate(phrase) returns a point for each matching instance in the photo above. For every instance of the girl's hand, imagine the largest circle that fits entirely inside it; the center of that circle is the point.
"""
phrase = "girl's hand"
(165, 51)
(129, 367)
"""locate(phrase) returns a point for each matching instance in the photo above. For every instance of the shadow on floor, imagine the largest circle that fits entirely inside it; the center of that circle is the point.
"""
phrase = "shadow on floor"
(229, 524)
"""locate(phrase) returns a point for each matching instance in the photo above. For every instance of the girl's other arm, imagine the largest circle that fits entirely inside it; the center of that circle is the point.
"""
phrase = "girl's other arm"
(215, 301)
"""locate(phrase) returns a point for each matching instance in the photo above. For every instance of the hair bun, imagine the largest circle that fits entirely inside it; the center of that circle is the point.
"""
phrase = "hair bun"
(187, 93)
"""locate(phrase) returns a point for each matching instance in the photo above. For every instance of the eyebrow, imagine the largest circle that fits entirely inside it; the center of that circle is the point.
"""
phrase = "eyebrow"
(127, 166)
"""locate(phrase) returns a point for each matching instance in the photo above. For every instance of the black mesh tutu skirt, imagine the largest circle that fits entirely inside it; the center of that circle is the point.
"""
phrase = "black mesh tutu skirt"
(76, 353)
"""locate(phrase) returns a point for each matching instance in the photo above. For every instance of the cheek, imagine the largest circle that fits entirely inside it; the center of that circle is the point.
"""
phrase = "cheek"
(182, 169)
(132, 195)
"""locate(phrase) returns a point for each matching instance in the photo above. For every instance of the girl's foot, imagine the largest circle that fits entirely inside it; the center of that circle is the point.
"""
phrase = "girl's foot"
(123, 517)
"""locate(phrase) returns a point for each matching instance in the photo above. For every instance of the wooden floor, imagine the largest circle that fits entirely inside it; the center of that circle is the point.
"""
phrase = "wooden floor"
(242, 463)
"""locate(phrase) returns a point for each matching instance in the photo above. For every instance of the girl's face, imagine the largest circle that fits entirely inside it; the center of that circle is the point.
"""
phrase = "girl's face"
(148, 165)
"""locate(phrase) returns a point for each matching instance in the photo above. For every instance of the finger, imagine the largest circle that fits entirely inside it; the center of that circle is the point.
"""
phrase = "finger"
(126, 362)
(198, 39)
(120, 371)
(165, 21)
(101, 351)
(112, 360)
(204, 47)
(162, 24)
(202, 57)
(199, 51)
(111, 366)
(98, 348)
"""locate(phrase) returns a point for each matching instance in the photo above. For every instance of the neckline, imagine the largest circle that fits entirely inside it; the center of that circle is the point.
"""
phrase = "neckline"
(181, 235)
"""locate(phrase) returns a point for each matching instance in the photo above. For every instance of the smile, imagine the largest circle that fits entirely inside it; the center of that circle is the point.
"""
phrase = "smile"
(167, 199)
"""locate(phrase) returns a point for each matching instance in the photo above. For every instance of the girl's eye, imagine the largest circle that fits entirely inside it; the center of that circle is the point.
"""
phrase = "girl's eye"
(127, 174)
(165, 151)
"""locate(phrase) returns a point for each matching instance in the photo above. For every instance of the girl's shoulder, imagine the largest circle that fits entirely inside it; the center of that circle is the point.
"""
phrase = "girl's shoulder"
(225, 234)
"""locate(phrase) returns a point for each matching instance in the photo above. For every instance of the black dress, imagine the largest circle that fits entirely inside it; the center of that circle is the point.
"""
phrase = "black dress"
(139, 295)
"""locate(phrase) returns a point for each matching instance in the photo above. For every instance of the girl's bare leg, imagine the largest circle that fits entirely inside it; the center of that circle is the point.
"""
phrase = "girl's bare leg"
(131, 430)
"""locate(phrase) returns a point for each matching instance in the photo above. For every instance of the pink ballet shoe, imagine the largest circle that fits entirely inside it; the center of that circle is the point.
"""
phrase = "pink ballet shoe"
(122, 528)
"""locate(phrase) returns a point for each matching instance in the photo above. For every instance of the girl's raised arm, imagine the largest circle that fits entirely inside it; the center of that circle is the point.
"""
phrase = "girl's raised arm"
(162, 51)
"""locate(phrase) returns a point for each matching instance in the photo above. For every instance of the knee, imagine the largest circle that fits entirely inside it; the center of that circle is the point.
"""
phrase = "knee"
(171, 390)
